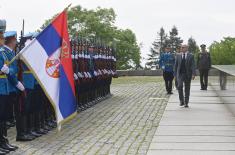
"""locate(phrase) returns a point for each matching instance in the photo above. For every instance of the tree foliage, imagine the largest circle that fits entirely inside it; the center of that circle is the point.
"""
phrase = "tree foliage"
(100, 23)
(174, 41)
(223, 52)
(163, 40)
(193, 48)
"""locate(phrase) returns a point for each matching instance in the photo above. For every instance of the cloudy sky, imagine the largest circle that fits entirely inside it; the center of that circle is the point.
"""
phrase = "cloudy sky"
(204, 20)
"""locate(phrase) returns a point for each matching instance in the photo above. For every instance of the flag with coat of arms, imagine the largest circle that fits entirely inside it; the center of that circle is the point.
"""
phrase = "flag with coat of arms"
(49, 58)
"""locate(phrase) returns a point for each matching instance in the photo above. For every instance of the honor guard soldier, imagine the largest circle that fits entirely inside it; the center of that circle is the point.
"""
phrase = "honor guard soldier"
(166, 62)
(29, 83)
(94, 66)
(39, 113)
(5, 74)
(17, 90)
(204, 65)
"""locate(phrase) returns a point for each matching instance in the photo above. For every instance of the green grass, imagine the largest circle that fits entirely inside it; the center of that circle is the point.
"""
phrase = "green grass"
(136, 79)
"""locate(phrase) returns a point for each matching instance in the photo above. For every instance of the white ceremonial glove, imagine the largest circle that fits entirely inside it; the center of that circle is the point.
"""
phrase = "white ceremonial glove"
(95, 73)
(75, 76)
(89, 75)
(20, 86)
(80, 75)
(76, 56)
(5, 69)
(72, 56)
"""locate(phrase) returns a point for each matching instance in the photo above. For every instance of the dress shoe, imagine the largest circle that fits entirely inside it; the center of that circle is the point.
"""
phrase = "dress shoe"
(24, 138)
(3, 151)
(29, 134)
(181, 103)
(13, 146)
(186, 106)
(52, 124)
(41, 131)
(35, 134)
(7, 147)
(5, 140)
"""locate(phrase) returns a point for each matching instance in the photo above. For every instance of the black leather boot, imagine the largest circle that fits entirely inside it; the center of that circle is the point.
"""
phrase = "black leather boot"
(3, 151)
(4, 128)
(20, 128)
(30, 127)
(3, 148)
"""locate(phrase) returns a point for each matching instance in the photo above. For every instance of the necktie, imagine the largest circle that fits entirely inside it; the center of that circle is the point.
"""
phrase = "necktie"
(184, 56)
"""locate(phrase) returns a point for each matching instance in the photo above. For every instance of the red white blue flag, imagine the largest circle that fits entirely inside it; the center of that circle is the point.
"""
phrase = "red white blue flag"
(49, 57)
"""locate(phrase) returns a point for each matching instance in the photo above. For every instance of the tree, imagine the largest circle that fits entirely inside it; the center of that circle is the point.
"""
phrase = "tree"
(193, 47)
(99, 23)
(174, 41)
(128, 54)
(152, 59)
(223, 52)
(157, 47)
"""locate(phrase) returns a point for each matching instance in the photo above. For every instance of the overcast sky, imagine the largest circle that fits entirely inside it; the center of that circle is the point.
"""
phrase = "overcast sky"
(204, 20)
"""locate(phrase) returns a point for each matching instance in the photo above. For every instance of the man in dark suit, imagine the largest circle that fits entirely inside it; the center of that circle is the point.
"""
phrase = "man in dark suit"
(184, 72)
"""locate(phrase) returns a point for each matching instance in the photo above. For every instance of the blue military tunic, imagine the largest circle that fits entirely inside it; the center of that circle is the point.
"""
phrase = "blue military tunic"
(28, 78)
(4, 90)
(167, 61)
(12, 76)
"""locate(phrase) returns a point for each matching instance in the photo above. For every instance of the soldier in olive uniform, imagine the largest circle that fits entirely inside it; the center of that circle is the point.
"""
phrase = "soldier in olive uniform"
(204, 65)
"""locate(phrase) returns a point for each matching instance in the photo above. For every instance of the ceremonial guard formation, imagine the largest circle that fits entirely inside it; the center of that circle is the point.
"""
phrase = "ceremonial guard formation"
(94, 65)
(23, 103)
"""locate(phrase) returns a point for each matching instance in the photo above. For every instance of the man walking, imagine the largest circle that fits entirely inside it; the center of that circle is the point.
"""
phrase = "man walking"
(166, 63)
(204, 65)
(184, 72)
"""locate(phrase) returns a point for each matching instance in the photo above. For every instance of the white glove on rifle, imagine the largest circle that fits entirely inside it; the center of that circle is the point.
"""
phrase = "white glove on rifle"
(5, 69)
(75, 76)
(20, 86)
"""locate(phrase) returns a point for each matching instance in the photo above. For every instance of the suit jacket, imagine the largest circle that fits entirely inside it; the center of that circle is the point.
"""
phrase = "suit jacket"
(189, 64)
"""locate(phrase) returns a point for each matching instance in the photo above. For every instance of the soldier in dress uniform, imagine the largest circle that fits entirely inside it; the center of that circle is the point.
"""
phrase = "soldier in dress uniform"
(166, 62)
(29, 83)
(40, 113)
(17, 91)
(204, 65)
(6, 74)
(94, 66)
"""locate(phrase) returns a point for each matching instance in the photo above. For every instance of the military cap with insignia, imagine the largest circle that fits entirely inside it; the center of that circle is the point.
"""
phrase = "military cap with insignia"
(9, 34)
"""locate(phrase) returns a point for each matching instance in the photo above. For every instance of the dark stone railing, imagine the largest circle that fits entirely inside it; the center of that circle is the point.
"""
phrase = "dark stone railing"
(224, 85)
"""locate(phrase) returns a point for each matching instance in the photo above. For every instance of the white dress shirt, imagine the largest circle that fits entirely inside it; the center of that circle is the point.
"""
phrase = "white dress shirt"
(186, 53)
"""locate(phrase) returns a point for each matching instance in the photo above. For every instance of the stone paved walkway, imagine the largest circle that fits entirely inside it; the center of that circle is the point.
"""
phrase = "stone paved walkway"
(122, 124)
(207, 127)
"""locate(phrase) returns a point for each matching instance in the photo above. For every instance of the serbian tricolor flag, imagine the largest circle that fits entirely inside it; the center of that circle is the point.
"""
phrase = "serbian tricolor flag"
(49, 58)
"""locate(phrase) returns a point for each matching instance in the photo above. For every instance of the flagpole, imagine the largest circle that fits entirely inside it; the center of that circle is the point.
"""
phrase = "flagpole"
(17, 55)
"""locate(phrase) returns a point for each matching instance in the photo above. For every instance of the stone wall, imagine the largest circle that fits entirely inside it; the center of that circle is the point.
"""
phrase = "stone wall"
(213, 72)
